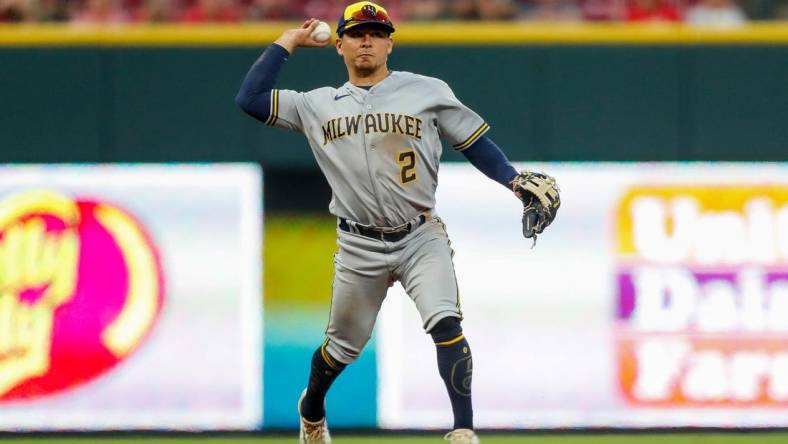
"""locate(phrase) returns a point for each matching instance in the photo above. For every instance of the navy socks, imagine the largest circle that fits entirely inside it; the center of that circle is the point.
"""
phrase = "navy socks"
(325, 370)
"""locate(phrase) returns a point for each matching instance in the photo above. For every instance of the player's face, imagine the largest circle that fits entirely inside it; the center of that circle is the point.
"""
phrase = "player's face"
(365, 48)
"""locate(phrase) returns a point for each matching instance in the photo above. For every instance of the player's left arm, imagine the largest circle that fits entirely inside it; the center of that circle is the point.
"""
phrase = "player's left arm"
(488, 158)
(466, 131)
(537, 191)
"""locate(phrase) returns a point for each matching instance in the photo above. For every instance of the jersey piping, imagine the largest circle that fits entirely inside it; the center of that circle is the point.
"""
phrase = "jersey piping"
(274, 108)
(475, 136)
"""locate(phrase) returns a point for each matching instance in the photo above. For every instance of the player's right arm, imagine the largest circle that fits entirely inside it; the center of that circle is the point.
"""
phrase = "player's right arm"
(256, 95)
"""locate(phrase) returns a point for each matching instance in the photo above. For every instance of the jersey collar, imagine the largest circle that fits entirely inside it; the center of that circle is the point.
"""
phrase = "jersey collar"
(359, 93)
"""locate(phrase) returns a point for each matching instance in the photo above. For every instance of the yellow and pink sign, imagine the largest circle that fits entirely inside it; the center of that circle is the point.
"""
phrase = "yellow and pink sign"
(81, 288)
(702, 282)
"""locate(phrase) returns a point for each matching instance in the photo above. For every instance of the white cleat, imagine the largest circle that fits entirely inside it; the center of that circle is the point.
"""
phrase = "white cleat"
(313, 432)
(462, 436)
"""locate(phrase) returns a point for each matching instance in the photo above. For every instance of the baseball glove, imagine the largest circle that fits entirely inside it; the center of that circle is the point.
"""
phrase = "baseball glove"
(539, 194)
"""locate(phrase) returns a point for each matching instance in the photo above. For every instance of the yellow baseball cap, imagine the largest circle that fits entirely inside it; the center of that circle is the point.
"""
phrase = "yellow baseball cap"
(364, 13)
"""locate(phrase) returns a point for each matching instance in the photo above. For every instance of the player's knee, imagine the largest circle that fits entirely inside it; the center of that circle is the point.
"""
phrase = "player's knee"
(344, 353)
(446, 329)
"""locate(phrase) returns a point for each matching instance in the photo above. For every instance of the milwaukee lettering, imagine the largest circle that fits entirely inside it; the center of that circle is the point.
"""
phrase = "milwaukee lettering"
(372, 123)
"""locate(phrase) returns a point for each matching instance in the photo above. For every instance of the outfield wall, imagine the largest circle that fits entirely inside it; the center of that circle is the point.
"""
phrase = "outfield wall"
(549, 93)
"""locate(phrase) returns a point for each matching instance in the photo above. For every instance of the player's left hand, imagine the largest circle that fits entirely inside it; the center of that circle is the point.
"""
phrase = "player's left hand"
(539, 195)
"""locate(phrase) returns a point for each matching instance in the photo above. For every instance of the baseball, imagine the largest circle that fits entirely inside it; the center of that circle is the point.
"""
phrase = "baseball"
(321, 33)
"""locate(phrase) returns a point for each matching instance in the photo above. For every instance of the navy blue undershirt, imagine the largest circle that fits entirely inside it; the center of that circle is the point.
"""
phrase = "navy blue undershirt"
(254, 97)
(488, 158)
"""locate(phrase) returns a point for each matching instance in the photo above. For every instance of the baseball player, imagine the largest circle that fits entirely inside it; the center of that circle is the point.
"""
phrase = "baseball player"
(377, 139)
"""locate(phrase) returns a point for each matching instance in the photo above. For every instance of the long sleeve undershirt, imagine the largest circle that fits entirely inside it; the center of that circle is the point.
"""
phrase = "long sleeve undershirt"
(254, 97)
(485, 155)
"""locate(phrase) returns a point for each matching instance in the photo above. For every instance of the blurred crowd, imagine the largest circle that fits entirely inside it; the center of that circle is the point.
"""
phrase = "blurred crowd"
(723, 13)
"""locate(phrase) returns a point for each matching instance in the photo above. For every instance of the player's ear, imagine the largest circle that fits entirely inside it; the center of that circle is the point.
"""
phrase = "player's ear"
(391, 46)
(338, 45)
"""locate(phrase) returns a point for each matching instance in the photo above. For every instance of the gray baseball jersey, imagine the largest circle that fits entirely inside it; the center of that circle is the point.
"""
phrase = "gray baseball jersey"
(379, 148)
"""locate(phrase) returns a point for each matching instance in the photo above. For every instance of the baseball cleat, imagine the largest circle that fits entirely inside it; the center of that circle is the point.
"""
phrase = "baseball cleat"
(462, 436)
(313, 432)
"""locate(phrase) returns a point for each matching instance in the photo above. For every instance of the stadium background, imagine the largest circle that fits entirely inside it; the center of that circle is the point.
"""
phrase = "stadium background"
(552, 92)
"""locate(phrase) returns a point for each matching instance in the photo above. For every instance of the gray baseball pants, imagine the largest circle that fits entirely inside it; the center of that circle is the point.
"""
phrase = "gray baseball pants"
(364, 269)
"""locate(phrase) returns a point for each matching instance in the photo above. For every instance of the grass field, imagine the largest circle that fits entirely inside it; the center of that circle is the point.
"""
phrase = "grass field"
(666, 438)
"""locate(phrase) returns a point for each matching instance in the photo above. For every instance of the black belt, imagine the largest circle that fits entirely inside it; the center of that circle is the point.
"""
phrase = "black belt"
(379, 233)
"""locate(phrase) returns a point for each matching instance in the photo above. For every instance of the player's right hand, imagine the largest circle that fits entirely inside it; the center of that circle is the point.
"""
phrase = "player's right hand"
(300, 37)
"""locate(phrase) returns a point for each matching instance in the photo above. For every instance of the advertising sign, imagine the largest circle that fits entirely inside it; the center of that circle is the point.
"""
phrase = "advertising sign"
(130, 297)
(658, 298)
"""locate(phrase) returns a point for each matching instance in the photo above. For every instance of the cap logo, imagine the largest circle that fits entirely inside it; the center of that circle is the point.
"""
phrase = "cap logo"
(369, 11)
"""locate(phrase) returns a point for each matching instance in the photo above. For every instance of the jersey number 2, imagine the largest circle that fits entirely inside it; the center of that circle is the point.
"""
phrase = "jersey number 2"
(407, 162)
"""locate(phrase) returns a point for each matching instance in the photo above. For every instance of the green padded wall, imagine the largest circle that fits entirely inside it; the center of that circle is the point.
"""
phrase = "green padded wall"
(544, 102)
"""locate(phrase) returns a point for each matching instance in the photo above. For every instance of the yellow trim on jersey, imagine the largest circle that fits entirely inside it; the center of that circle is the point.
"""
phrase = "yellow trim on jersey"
(451, 341)
(274, 108)
(326, 357)
(427, 33)
(469, 141)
